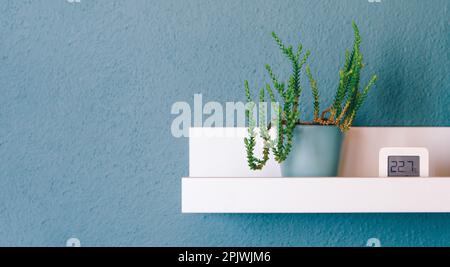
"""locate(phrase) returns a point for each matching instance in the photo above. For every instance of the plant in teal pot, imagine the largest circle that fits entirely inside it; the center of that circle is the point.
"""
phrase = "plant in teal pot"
(305, 148)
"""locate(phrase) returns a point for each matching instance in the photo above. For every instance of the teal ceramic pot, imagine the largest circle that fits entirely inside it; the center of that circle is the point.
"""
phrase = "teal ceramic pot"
(315, 152)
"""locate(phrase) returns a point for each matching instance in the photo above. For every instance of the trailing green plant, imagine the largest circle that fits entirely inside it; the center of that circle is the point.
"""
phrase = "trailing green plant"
(341, 113)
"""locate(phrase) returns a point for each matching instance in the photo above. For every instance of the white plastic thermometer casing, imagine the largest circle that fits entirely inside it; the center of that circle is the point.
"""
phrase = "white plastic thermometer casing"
(386, 152)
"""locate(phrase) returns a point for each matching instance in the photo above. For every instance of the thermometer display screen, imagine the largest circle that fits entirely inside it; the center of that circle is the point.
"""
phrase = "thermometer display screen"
(403, 166)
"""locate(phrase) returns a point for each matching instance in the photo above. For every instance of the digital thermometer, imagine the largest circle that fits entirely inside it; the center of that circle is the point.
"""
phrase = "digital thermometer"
(403, 162)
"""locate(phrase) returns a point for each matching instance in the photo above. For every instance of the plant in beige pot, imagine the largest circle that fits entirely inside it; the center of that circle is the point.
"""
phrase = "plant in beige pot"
(305, 148)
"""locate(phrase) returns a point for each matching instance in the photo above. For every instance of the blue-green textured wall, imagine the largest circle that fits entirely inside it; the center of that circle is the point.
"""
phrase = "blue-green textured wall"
(85, 97)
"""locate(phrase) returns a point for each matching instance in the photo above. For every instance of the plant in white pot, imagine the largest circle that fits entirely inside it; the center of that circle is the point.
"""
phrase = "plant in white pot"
(306, 148)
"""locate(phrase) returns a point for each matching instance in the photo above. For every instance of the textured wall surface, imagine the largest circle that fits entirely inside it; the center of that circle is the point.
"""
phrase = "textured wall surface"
(86, 91)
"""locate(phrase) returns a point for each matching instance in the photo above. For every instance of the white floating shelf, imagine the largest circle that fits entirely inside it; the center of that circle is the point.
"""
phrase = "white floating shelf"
(315, 195)
(217, 160)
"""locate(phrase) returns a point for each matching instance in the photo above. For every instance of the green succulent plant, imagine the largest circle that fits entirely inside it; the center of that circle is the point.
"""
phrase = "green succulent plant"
(341, 113)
